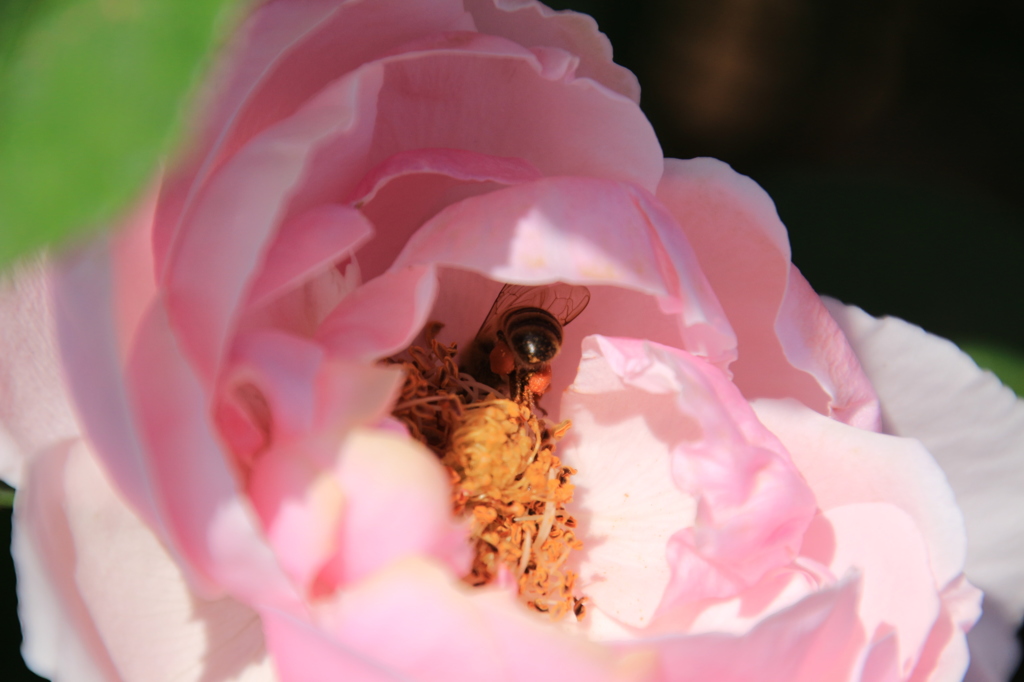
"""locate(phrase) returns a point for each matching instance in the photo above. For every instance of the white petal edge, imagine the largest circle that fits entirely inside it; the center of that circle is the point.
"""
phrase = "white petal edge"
(974, 427)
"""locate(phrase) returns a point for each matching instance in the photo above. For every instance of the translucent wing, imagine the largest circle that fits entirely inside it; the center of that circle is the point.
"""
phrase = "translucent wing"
(564, 301)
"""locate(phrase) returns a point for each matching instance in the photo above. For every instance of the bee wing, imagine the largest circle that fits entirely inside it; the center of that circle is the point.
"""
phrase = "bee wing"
(506, 299)
(564, 301)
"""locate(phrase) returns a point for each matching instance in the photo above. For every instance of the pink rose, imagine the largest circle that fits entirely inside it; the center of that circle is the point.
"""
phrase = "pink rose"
(214, 486)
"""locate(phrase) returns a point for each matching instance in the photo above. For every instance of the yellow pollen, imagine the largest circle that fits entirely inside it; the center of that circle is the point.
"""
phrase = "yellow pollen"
(505, 475)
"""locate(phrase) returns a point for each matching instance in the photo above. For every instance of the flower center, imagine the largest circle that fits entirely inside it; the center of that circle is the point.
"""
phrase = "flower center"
(505, 475)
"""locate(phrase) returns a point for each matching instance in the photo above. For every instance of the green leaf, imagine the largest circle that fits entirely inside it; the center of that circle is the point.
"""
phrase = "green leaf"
(6, 496)
(1006, 364)
(91, 95)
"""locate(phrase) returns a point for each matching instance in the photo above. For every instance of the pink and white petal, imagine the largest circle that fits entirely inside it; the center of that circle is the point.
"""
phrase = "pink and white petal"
(381, 317)
(845, 465)
(300, 505)
(532, 24)
(35, 412)
(974, 427)
(154, 626)
(740, 614)
(210, 526)
(354, 394)
(307, 246)
(225, 237)
(535, 110)
(752, 507)
(787, 345)
(945, 655)
(883, 544)
(88, 321)
(409, 188)
(60, 638)
(283, 368)
(414, 620)
(300, 311)
(819, 638)
(397, 504)
(282, 56)
(625, 502)
(813, 342)
(582, 231)
(294, 485)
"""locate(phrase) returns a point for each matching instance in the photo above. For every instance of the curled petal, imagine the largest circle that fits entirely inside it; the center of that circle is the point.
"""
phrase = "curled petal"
(531, 24)
(844, 465)
(381, 317)
(409, 188)
(752, 507)
(788, 345)
(307, 246)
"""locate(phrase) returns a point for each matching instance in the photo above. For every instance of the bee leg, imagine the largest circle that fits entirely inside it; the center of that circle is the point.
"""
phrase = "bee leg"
(519, 387)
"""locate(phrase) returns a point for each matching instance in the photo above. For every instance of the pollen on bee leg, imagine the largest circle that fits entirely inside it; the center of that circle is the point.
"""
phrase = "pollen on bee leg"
(505, 475)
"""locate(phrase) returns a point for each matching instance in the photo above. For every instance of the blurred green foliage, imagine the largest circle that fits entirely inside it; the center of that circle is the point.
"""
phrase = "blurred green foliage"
(1004, 363)
(91, 94)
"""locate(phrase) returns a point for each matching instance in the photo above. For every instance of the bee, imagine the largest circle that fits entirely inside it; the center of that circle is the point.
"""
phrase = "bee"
(521, 335)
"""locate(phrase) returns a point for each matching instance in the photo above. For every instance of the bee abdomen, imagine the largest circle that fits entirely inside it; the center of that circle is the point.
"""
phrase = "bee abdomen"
(533, 334)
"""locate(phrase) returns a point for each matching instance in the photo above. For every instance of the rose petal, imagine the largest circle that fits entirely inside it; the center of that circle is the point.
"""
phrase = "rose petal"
(308, 245)
(582, 231)
(322, 150)
(813, 342)
(752, 506)
(60, 639)
(34, 410)
(535, 110)
(283, 368)
(284, 54)
(532, 24)
(816, 639)
(845, 465)
(88, 320)
(884, 545)
(124, 613)
(397, 504)
(412, 620)
(409, 188)
(974, 426)
(209, 522)
(226, 234)
(300, 311)
(626, 503)
(945, 655)
(381, 317)
(155, 628)
(300, 504)
(788, 346)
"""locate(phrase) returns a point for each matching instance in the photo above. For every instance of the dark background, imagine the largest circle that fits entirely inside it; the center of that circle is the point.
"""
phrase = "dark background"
(889, 132)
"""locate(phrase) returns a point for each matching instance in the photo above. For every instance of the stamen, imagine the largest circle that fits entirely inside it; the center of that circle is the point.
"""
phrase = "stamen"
(505, 476)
